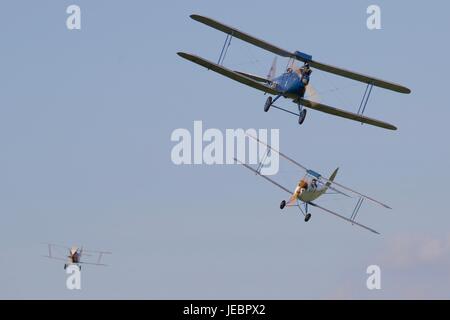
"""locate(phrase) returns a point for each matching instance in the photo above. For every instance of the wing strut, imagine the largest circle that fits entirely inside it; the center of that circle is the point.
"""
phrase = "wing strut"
(357, 207)
(261, 163)
(225, 47)
(99, 257)
(365, 99)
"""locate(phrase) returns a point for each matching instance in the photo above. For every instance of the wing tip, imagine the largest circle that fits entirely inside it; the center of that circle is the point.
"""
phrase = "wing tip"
(405, 90)
(186, 56)
(196, 17)
(392, 127)
(385, 125)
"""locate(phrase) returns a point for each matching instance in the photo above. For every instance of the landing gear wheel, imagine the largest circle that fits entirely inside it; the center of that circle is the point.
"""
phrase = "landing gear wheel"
(268, 104)
(282, 204)
(65, 266)
(307, 217)
(302, 117)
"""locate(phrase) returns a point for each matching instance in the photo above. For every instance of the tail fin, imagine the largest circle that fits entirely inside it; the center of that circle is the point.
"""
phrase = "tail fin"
(273, 70)
(333, 175)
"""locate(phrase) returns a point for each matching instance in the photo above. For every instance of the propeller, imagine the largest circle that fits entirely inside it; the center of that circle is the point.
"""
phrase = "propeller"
(273, 70)
(311, 93)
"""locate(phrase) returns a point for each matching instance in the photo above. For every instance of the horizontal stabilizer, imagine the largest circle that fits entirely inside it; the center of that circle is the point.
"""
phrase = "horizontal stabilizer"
(254, 77)
(228, 73)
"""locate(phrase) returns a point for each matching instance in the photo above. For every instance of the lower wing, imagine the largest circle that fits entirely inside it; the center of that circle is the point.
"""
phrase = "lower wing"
(258, 83)
(344, 114)
(342, 217)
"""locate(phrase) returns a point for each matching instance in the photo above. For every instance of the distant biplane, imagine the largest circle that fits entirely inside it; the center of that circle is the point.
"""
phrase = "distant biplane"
(74, 255)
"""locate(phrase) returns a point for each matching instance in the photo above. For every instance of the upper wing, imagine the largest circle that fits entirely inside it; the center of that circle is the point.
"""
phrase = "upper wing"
(338, 192)
(241, 35)
(51, 249)
(265, 177)
(50, 245)
(356, 192)
(345, 114)
(228, 73)
(357, 76)
(99, 258)
(299, 56)
(93, 251)
(281, 154)
(344, 218)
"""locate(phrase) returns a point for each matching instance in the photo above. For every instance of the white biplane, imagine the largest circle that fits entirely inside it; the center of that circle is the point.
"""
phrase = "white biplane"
(312, 186)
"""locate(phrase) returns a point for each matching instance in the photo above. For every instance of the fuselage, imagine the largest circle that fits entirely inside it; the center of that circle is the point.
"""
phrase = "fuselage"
(75, 255)
(291, 82)
(309, 190)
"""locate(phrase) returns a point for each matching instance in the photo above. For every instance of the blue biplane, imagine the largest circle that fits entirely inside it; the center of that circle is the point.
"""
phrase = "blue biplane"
(293, 83)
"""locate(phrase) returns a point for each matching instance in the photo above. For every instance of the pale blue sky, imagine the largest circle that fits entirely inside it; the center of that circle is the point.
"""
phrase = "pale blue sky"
(85, 124)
